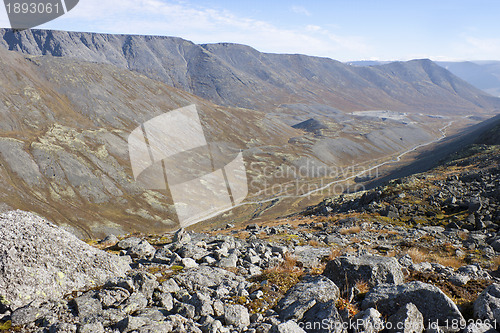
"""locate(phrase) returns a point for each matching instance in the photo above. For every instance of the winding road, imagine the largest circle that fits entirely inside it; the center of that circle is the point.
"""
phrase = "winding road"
(281, 197)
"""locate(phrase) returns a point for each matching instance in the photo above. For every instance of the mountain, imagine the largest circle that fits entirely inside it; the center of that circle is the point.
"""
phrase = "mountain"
(64, 154)
(70, 101)
(484, 75)
(63, 141)
(238, 75)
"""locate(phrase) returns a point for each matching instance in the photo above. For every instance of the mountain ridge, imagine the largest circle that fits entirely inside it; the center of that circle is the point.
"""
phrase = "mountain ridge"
(238, 75)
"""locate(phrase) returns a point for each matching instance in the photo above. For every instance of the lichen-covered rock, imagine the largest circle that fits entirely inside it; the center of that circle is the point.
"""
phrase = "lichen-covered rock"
(487, 302)
(40, 261)
(208, 277)
(347, 270)
(305, 294)
(236, 315)
(429, 300)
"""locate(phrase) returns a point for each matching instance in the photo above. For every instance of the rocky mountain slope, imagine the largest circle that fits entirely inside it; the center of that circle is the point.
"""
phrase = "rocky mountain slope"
(484, 75)
(70, 100)
(64, 154)
(404, 254)
(237, 75)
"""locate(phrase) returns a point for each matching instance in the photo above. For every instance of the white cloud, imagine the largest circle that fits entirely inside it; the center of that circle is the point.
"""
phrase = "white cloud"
(300, 10)
(477, 48)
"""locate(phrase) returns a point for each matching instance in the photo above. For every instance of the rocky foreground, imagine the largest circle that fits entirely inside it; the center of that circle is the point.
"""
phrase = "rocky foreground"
(420, 254)
(280, 278)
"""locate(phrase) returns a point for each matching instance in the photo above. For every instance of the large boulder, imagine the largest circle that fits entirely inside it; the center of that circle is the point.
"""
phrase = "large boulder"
(40, 261)
(206, 278)
(434, 305)
(345, 271)
(487, 305)
(305, 294)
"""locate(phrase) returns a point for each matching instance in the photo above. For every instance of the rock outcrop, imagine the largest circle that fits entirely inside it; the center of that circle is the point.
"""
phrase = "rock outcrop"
(433, 304)
(348, 270)
(40, 261)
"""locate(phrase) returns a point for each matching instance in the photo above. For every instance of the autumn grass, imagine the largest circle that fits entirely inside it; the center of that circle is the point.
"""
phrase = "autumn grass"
(362, 286)
(350, 231)
(445, 258)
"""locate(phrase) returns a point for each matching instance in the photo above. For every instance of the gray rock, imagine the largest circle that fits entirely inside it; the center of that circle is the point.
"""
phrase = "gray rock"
(95, 327)
(236, 315)
(347, 270)
(128, 243)
(29, 314)
(208, 277)
(87, 307)
(368, 321)
(189, 263)
(169, 286)
(55, 260)
(132, 323)
(304, 295)
(230, 261)
(203, 304)
(496, 245)
(430, 301)
(156, 328)
(487, 302)
(141, 250)
(407, 320)
(164, 300)
(112, 297)
(110, 240)
(310, 256)
(182, 237)
(192, 251)
(185, 310)
(323, 318)
(136, 301)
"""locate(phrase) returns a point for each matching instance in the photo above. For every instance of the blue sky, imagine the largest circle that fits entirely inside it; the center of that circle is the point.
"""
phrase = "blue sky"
(340, 29)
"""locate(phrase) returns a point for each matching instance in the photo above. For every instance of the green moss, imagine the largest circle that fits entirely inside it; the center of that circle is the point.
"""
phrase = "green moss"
(5, 326)
(176, 268)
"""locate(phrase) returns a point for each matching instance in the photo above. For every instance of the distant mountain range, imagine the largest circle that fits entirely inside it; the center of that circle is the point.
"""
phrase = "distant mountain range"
(69, 100)
(238, 75)
(484, 75)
